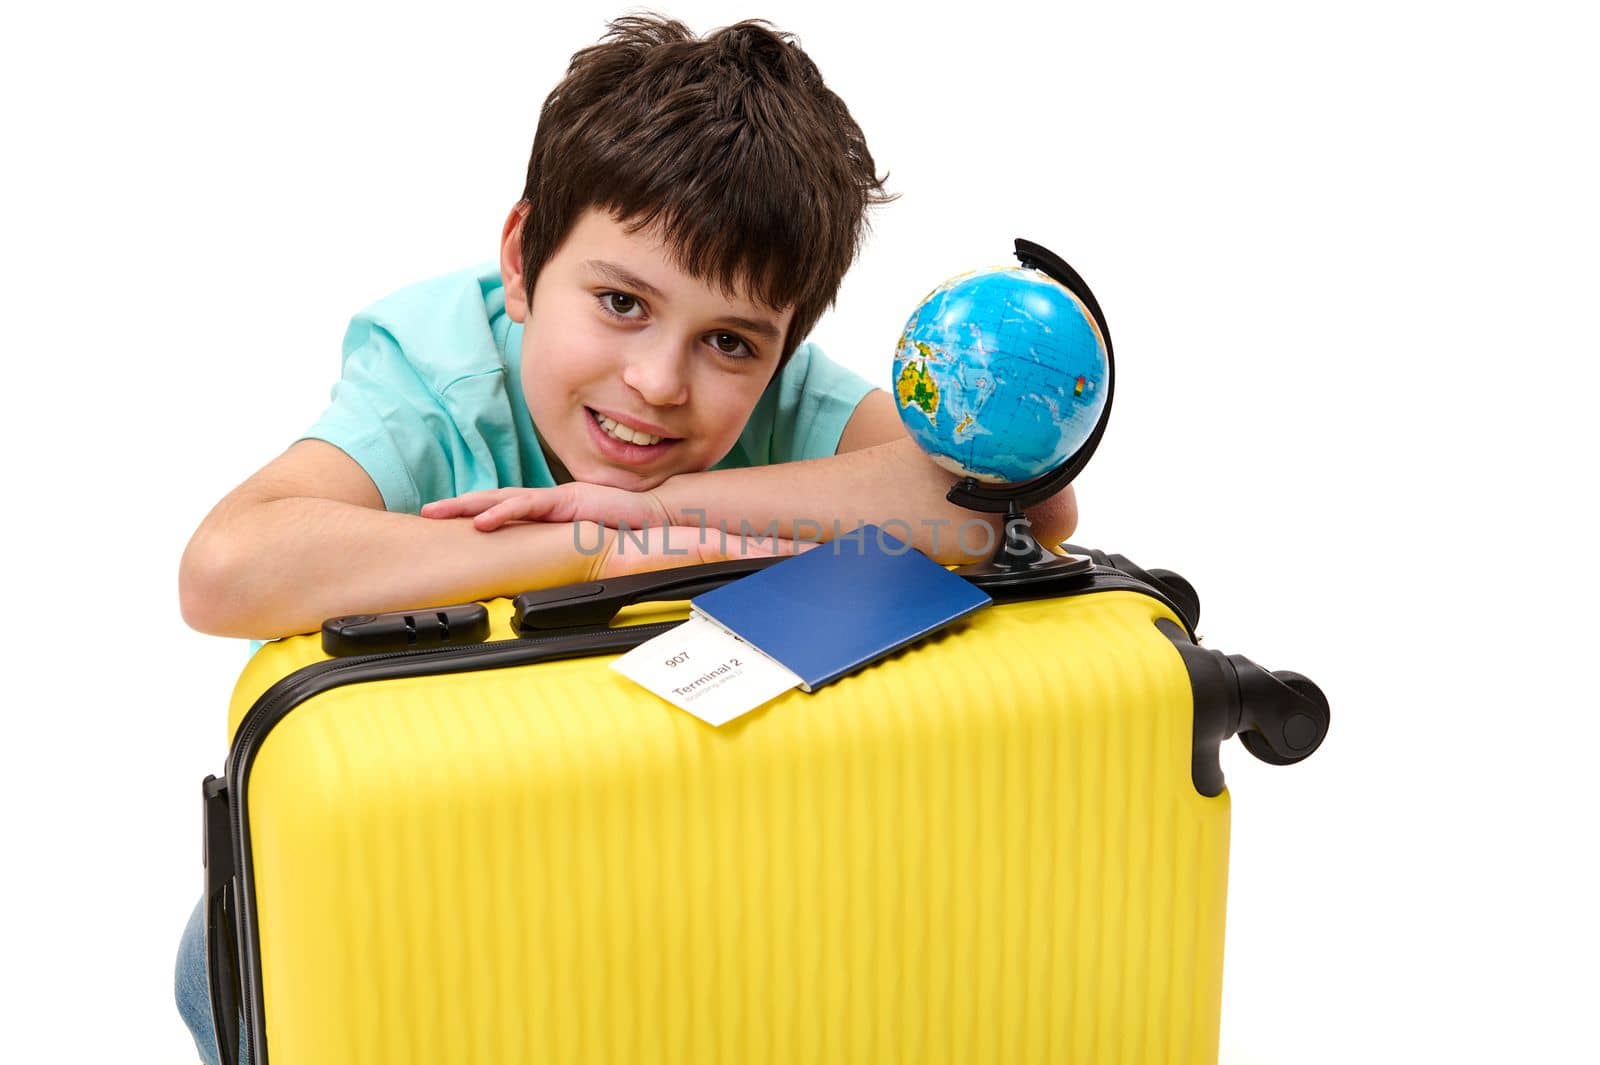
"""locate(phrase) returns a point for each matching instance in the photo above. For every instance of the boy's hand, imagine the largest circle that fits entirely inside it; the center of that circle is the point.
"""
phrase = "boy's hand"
(571, 502)
(653, 540)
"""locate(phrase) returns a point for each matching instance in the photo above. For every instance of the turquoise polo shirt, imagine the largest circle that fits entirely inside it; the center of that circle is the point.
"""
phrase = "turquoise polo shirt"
(430, 400)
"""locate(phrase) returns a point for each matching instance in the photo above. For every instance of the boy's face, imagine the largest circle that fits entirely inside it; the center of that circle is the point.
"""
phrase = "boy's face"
(617, 331)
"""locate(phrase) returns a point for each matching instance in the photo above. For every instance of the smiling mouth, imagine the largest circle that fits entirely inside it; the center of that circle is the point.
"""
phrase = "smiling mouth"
(617, 431)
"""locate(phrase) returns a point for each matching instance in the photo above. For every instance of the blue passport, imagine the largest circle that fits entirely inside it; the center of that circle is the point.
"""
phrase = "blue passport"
(841, 605)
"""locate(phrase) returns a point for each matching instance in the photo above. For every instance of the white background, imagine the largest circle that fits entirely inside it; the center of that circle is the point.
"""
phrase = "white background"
(1348, 253)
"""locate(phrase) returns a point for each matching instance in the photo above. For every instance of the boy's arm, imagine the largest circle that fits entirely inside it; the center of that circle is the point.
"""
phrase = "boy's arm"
(893, 485)
(307, 538)
(878, 475)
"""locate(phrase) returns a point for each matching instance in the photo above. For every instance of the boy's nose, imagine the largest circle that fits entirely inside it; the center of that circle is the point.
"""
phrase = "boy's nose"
(658, 375)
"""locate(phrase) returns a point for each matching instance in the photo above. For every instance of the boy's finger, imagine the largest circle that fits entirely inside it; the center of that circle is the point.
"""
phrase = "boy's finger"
(450, 508)
(488, 495)
(494, 517)
(526, 505)
(470, 503)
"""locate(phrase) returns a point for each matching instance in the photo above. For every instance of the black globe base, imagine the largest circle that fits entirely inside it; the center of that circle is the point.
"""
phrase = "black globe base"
(1020, 558)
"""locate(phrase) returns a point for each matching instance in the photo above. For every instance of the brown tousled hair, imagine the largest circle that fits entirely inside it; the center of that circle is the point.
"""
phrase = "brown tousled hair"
(754, 169)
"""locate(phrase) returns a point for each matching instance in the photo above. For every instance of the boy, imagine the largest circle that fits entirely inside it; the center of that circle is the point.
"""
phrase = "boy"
(635, 358)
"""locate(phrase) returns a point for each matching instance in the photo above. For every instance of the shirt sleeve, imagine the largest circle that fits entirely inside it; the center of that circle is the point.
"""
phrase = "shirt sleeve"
(391, 421)
(811, 403)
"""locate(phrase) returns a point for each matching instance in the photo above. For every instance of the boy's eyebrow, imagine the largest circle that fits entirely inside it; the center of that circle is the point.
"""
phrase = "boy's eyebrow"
(618, 275)
(760, 327)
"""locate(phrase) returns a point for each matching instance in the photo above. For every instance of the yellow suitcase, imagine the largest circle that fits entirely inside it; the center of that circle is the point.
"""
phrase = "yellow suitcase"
(1007, 843)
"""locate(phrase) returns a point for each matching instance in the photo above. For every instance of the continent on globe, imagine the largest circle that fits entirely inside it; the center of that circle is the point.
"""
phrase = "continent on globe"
(915, 387)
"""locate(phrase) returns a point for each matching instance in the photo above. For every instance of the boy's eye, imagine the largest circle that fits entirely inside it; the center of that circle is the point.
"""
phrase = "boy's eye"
(620, 303)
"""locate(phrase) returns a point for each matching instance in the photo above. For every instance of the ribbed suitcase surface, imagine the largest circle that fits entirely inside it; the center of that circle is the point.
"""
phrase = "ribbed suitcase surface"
(986, 848)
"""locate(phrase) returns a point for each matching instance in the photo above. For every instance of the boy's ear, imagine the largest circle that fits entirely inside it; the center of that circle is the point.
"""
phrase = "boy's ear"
(511, 263)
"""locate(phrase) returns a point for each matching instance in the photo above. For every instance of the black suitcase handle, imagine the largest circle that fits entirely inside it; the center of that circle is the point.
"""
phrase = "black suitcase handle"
(1180, 591)
(596, 603)
(221, 922)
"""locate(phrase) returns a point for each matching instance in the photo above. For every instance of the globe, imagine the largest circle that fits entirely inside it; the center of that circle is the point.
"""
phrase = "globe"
(1001, 374)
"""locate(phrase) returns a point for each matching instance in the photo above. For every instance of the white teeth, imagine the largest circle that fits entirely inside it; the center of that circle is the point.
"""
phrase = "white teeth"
(622, 432)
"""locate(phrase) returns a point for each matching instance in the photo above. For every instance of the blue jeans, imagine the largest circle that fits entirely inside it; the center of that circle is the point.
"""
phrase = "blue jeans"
(194, 994)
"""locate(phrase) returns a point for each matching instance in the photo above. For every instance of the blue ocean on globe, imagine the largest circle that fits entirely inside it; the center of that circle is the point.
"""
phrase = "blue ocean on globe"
(1001, 374)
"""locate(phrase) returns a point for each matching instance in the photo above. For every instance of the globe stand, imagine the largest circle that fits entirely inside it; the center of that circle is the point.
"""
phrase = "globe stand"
(1020, 557)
